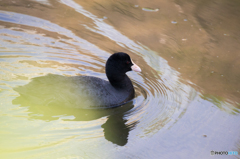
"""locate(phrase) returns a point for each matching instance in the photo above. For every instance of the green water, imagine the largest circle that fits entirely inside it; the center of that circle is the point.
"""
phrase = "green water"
(187, 95)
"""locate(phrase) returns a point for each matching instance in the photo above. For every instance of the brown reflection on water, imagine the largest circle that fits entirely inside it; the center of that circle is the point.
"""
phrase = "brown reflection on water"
(200, 39)
(218, 71)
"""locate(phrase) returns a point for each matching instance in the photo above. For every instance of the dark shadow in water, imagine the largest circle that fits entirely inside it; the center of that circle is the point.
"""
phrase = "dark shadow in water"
(115, 129)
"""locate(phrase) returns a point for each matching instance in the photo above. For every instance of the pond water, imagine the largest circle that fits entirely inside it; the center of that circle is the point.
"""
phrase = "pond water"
(187, 95)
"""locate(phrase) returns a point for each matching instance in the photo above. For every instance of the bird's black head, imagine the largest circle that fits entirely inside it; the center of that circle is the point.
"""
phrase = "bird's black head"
(116, 67)
(121, 63)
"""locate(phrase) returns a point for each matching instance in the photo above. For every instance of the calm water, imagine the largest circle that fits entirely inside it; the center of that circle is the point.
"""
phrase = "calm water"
(187, 95)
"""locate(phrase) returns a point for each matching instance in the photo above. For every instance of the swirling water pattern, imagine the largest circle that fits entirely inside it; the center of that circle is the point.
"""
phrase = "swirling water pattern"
(166, 116)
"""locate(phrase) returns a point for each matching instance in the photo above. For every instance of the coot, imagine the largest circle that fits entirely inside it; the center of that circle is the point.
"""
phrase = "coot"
(85, 92)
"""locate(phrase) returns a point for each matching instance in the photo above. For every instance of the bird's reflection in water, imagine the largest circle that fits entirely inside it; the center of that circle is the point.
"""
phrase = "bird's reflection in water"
(116, 129)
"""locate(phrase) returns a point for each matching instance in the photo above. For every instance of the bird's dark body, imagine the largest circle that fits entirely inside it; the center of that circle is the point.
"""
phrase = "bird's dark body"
(86, 92)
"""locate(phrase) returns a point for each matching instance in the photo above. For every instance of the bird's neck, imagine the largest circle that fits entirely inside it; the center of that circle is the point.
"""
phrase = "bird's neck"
(120, 81)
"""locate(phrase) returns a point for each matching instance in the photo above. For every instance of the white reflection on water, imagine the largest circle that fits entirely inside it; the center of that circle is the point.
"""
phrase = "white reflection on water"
(43, 2)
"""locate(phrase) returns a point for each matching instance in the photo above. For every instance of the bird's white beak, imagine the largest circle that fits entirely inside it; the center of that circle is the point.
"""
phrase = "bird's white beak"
(135, 67)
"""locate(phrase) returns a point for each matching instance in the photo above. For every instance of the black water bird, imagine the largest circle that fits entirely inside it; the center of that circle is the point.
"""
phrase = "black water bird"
(86, 92)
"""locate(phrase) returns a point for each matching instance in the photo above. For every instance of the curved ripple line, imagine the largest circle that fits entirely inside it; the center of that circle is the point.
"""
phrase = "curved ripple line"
(27, 20)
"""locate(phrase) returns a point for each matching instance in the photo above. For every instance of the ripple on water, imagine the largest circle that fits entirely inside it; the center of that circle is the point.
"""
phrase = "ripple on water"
(28, 54)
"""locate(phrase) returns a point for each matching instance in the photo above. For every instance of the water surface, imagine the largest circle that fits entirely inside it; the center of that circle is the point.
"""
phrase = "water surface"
(187, 95)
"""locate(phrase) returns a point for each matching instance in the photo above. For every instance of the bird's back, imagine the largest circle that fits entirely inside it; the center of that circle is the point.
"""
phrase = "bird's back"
(85, 92)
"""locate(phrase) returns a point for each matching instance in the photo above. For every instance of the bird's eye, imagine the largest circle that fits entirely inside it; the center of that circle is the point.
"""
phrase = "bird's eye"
(128, 62)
